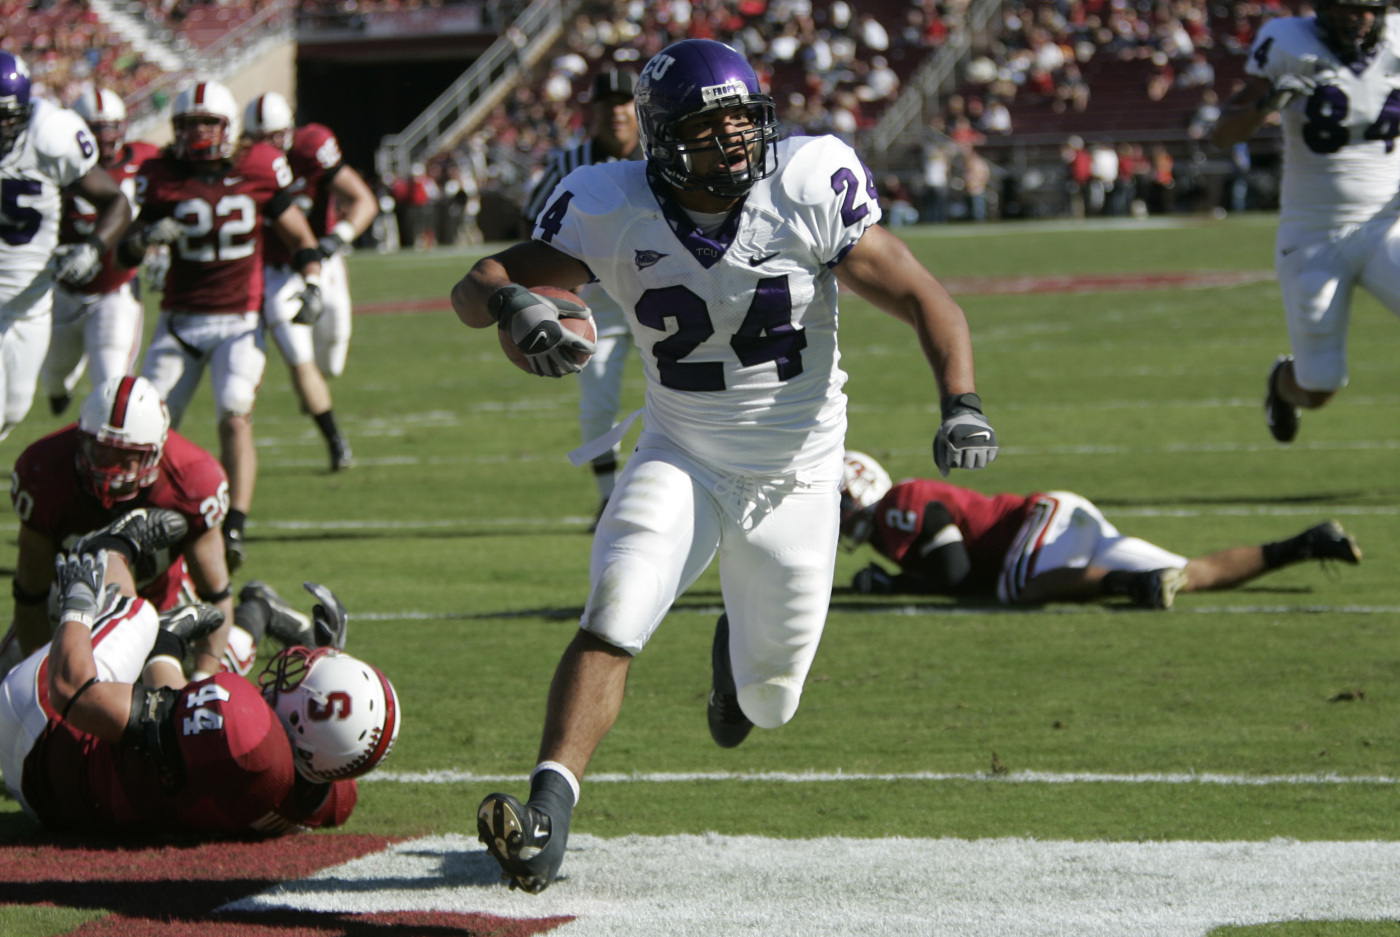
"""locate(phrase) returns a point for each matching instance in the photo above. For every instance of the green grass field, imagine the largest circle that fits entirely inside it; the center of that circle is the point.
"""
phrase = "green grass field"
(458, 545)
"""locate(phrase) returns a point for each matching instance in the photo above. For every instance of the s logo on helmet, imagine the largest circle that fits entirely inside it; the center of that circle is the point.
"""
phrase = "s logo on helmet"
(658, 66)
(337, 706)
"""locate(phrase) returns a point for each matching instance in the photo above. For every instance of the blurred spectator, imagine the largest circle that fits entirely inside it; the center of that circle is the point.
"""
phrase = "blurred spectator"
(937, 166)
(1198, 74)
(976, 174)
(1103, 170)
(898, 204)
(1207, 113)
(1163, 197)
(996, 117)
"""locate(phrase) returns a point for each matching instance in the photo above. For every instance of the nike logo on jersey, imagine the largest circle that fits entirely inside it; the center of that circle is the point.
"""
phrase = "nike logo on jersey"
(760, 261)
(233, 180)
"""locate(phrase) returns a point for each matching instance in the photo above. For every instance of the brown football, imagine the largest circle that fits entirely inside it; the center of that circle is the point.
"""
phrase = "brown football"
(581, 327)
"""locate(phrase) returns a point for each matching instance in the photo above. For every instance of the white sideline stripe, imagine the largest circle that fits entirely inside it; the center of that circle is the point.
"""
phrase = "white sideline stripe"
(836, 777)
(1253, 510)
(910, 610)
(710, 884)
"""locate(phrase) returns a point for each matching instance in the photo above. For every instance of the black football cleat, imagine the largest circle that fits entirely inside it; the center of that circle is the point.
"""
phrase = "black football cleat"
(1156, 588)
(1281, 415)
(873, 580)
(142, 534)
(58, 403)
(286, 624)
(329, 617)
(191, 622)
(519, 837)
(341, 456)
(728, 724)
(1328, 541)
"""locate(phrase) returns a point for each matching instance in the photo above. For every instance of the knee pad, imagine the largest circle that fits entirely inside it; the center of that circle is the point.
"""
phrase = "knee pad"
(627, 603)
(769, 705)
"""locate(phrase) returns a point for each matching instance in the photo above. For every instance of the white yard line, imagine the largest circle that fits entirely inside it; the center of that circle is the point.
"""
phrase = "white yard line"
(844, 777)
(719, 885)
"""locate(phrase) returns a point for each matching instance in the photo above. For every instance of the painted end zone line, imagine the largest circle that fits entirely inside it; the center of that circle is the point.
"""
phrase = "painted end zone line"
(828, 777)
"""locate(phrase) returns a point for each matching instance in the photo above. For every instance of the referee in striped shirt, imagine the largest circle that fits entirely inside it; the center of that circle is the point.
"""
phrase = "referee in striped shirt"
(614, 137)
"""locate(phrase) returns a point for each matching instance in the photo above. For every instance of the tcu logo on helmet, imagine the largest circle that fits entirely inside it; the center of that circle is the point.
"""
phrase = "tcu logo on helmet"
(658, 66)
(336, 706)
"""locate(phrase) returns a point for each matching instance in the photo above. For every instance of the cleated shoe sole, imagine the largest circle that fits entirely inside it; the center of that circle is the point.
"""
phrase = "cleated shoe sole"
(518, 837)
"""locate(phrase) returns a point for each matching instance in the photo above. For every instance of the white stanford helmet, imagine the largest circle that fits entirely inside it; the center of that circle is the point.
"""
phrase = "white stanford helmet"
(268, 116)
(106, 118)
(341, 714)
(863, 483)
(121, 432)
(205, 99)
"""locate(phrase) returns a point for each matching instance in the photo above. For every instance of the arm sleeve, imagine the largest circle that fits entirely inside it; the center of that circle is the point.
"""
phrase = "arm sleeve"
(938, 555)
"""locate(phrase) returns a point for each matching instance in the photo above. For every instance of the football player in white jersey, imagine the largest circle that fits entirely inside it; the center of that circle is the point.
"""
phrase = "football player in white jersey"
(44, 150)
(615, 137)
(1335, 77)
(725, 247)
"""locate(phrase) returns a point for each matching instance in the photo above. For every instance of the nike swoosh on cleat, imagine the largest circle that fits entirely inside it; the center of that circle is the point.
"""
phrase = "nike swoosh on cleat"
(759, 261)
(540, 831)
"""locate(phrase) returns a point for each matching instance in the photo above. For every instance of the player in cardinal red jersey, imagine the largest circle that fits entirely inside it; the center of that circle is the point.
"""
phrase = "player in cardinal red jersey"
(323, 185)
(209, 201)
(100, 733)
(96, 325)
(119, 456)
(1042, 547)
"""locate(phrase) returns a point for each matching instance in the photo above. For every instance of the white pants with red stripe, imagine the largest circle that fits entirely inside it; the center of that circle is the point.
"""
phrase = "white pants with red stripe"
(121, 639)
(1066, 531)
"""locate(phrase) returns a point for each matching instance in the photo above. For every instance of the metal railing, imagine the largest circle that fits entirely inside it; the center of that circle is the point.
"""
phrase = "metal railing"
(482, 86)
(927, 81)
(273, 23)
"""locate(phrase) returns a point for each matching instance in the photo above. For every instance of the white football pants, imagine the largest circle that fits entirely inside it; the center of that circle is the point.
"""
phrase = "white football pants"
(327, 342)
(1317, 271)
(1067, 531)
(776, 542)
(101, 333)
(231, 345)
(24, 341)
(122, 638)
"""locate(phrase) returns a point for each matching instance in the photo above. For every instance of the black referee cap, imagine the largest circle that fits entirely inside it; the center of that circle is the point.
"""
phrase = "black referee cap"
(613, 82)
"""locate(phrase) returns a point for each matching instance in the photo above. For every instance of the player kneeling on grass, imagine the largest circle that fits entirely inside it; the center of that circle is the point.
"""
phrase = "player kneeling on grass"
(1050, 546)
(101, 734)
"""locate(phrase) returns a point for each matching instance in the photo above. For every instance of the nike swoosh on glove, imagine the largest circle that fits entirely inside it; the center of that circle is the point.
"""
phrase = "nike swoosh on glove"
(965, 440)
(532, 321)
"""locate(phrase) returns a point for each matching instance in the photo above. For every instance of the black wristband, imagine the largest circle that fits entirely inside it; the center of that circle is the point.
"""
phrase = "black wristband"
(961, 403)
(304, 256)
(74, 698)
(28, 598)
(214, 598)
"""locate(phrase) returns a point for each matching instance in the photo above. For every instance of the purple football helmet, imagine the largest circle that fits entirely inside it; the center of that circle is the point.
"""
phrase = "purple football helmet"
(696, 77)
(14, 100)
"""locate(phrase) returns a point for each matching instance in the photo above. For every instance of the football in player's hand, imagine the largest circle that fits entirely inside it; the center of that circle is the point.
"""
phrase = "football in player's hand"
(581, 327)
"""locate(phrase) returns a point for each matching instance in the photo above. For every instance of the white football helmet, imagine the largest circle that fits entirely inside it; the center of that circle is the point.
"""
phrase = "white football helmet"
(863, 483)
(202, 141)
(106, 118)
(341, 714)
(269, 117)
(122, 429)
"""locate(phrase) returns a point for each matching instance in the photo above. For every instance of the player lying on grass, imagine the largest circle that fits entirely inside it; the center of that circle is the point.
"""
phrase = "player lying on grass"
(101, 734)
(1051, 546)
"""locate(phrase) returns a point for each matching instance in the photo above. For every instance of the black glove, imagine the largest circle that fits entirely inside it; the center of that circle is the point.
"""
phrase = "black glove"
(532, 322)
(330, 244)
(312, 305)
(328, 616)
(966, 439)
